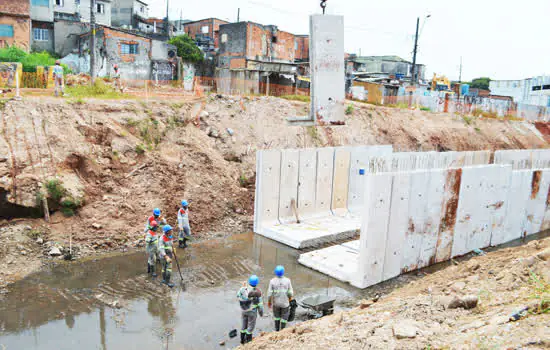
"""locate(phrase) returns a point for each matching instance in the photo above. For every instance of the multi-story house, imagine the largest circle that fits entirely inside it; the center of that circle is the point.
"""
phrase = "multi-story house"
(15, 24)
(130, 14)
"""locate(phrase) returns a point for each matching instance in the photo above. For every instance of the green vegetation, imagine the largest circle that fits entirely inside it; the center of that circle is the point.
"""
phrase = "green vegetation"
(541, 293)
(99, 90)
(140, 149)
(314, 134)
(480, 83)
(76, 101)
(467, 120)
(349, 110)
(29, 60)
(425, 109)
(187, 49)
(301, 98)
(60, 196)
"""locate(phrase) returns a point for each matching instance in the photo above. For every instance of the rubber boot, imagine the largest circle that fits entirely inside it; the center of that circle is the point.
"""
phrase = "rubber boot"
(163, 277)
(277, 326)
(153, 273)
(185, 243)
(248, 338)
(167, 279)
(283, 325)
(148, 268)
(243, 338)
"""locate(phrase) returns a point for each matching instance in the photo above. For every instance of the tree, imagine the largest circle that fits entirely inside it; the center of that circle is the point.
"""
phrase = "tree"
(187, 49)
(480, 83)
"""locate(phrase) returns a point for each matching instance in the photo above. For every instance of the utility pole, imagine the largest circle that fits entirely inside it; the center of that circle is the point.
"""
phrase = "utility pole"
(167, 22)
(92, 41)
(460, 79)
(181, 20)
(413, 73)
(238, 15)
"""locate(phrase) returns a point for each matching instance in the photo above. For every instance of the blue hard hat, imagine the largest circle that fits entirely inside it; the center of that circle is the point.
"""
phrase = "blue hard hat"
(279, 271)
(253, 280)
(156, 212)
(184, 203)
(167, 228)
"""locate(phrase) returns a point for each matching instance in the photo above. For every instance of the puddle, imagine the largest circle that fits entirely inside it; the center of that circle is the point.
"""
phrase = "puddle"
(67, 306)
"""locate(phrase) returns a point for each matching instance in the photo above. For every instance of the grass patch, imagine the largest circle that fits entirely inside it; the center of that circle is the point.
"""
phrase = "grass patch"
(425, 109)
(55, 189)
(477, 129)
(468, 120)
(301, 98)
(76, 101)
(541, 293)
(314, 135)
(99, 89)
(349, 110)
(140, 149)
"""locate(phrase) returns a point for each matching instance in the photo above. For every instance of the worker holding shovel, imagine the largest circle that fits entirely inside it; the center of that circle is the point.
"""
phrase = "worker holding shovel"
(280, 294)
(167, 254)
(250, 300)
(152, 248)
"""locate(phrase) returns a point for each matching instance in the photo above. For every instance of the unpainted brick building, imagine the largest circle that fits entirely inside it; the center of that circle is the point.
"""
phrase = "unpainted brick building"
(15, 23)
(205, 32)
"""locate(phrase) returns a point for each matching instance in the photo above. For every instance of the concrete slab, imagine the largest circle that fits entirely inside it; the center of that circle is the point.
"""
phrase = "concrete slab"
(313, 232)
(374, 229)
(267, 188)
(449, 209)
(323, 191)
(327, 69)
(307, 180)
(434, 201)
(340, 180)
(536, 202)
(339, 261)
(516, 206)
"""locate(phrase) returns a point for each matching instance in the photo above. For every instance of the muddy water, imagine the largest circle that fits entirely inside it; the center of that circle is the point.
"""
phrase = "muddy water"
(70, 306)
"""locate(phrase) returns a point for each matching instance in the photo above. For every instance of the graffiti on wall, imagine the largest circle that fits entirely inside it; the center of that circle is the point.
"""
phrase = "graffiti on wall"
(8, 73)
(163, 71)
(188, 76)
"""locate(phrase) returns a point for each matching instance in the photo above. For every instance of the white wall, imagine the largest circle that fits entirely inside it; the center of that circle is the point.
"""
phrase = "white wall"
(101, 18)
(68, 6)
(42, 13)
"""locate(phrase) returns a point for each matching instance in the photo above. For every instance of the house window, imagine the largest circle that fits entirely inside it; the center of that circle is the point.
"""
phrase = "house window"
(204, 30)
(128, 49)
(40, 34)
(6, 30)
(224, 38)
(546, 87)
(44, 3)
(100, 8)
(142, 9)
(59, 2)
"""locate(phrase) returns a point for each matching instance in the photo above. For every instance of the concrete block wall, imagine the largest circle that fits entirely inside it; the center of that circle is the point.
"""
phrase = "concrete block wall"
(413, 219)
(524, 159)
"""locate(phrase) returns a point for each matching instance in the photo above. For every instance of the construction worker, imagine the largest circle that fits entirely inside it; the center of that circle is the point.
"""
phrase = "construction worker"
(183, 224)
(161, 221)
(167, 254)
(250, 300)
(152, 248)
(279, 295)
(58, 78)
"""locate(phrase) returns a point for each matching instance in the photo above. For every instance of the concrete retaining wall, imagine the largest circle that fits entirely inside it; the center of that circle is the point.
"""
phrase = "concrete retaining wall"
(414, 219)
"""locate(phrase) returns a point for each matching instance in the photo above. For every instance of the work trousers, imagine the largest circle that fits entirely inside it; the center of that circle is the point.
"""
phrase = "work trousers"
(281, 313)
(152, 253)
(249, 321)
(58, 86)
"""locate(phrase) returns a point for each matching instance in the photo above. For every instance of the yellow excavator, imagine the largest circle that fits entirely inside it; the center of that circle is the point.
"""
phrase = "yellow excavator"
(441, 83)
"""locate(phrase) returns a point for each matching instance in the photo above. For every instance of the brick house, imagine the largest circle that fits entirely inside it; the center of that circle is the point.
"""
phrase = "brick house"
(205, 32)
(15, 24)
(253, 56)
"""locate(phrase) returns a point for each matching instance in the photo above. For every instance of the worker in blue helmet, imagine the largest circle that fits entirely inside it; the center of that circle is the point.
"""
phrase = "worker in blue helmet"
(279, 295)
(167, 254)
(183, 224)
(250, 300)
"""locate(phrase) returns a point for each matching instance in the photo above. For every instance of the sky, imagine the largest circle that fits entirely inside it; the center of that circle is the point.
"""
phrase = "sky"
(500, 39)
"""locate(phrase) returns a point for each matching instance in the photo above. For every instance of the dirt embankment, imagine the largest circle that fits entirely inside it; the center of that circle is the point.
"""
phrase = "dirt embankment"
(104, 165)
(497, 301)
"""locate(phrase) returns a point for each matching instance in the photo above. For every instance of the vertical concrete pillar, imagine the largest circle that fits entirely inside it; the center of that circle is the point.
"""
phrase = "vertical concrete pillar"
(327, 69)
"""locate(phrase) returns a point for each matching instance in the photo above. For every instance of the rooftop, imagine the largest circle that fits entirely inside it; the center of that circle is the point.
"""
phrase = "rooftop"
(15, 8)
(365, 59)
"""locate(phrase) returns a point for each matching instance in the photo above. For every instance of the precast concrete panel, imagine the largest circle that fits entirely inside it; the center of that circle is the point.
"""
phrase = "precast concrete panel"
(359, 167)
(434, 201)
(398, 225)
(340, 181)
(516, 206)
(449, 207)
(268, 179)
(290, 159)
(499, 195)
(358, 160)
(374, 230)
(536, 203)
(418, 199)
(466, 220)
(325, 173)
(327, 69)
(307, 183)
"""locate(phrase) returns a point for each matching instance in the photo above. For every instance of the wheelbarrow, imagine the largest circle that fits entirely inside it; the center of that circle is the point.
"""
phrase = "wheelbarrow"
(318, 305)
